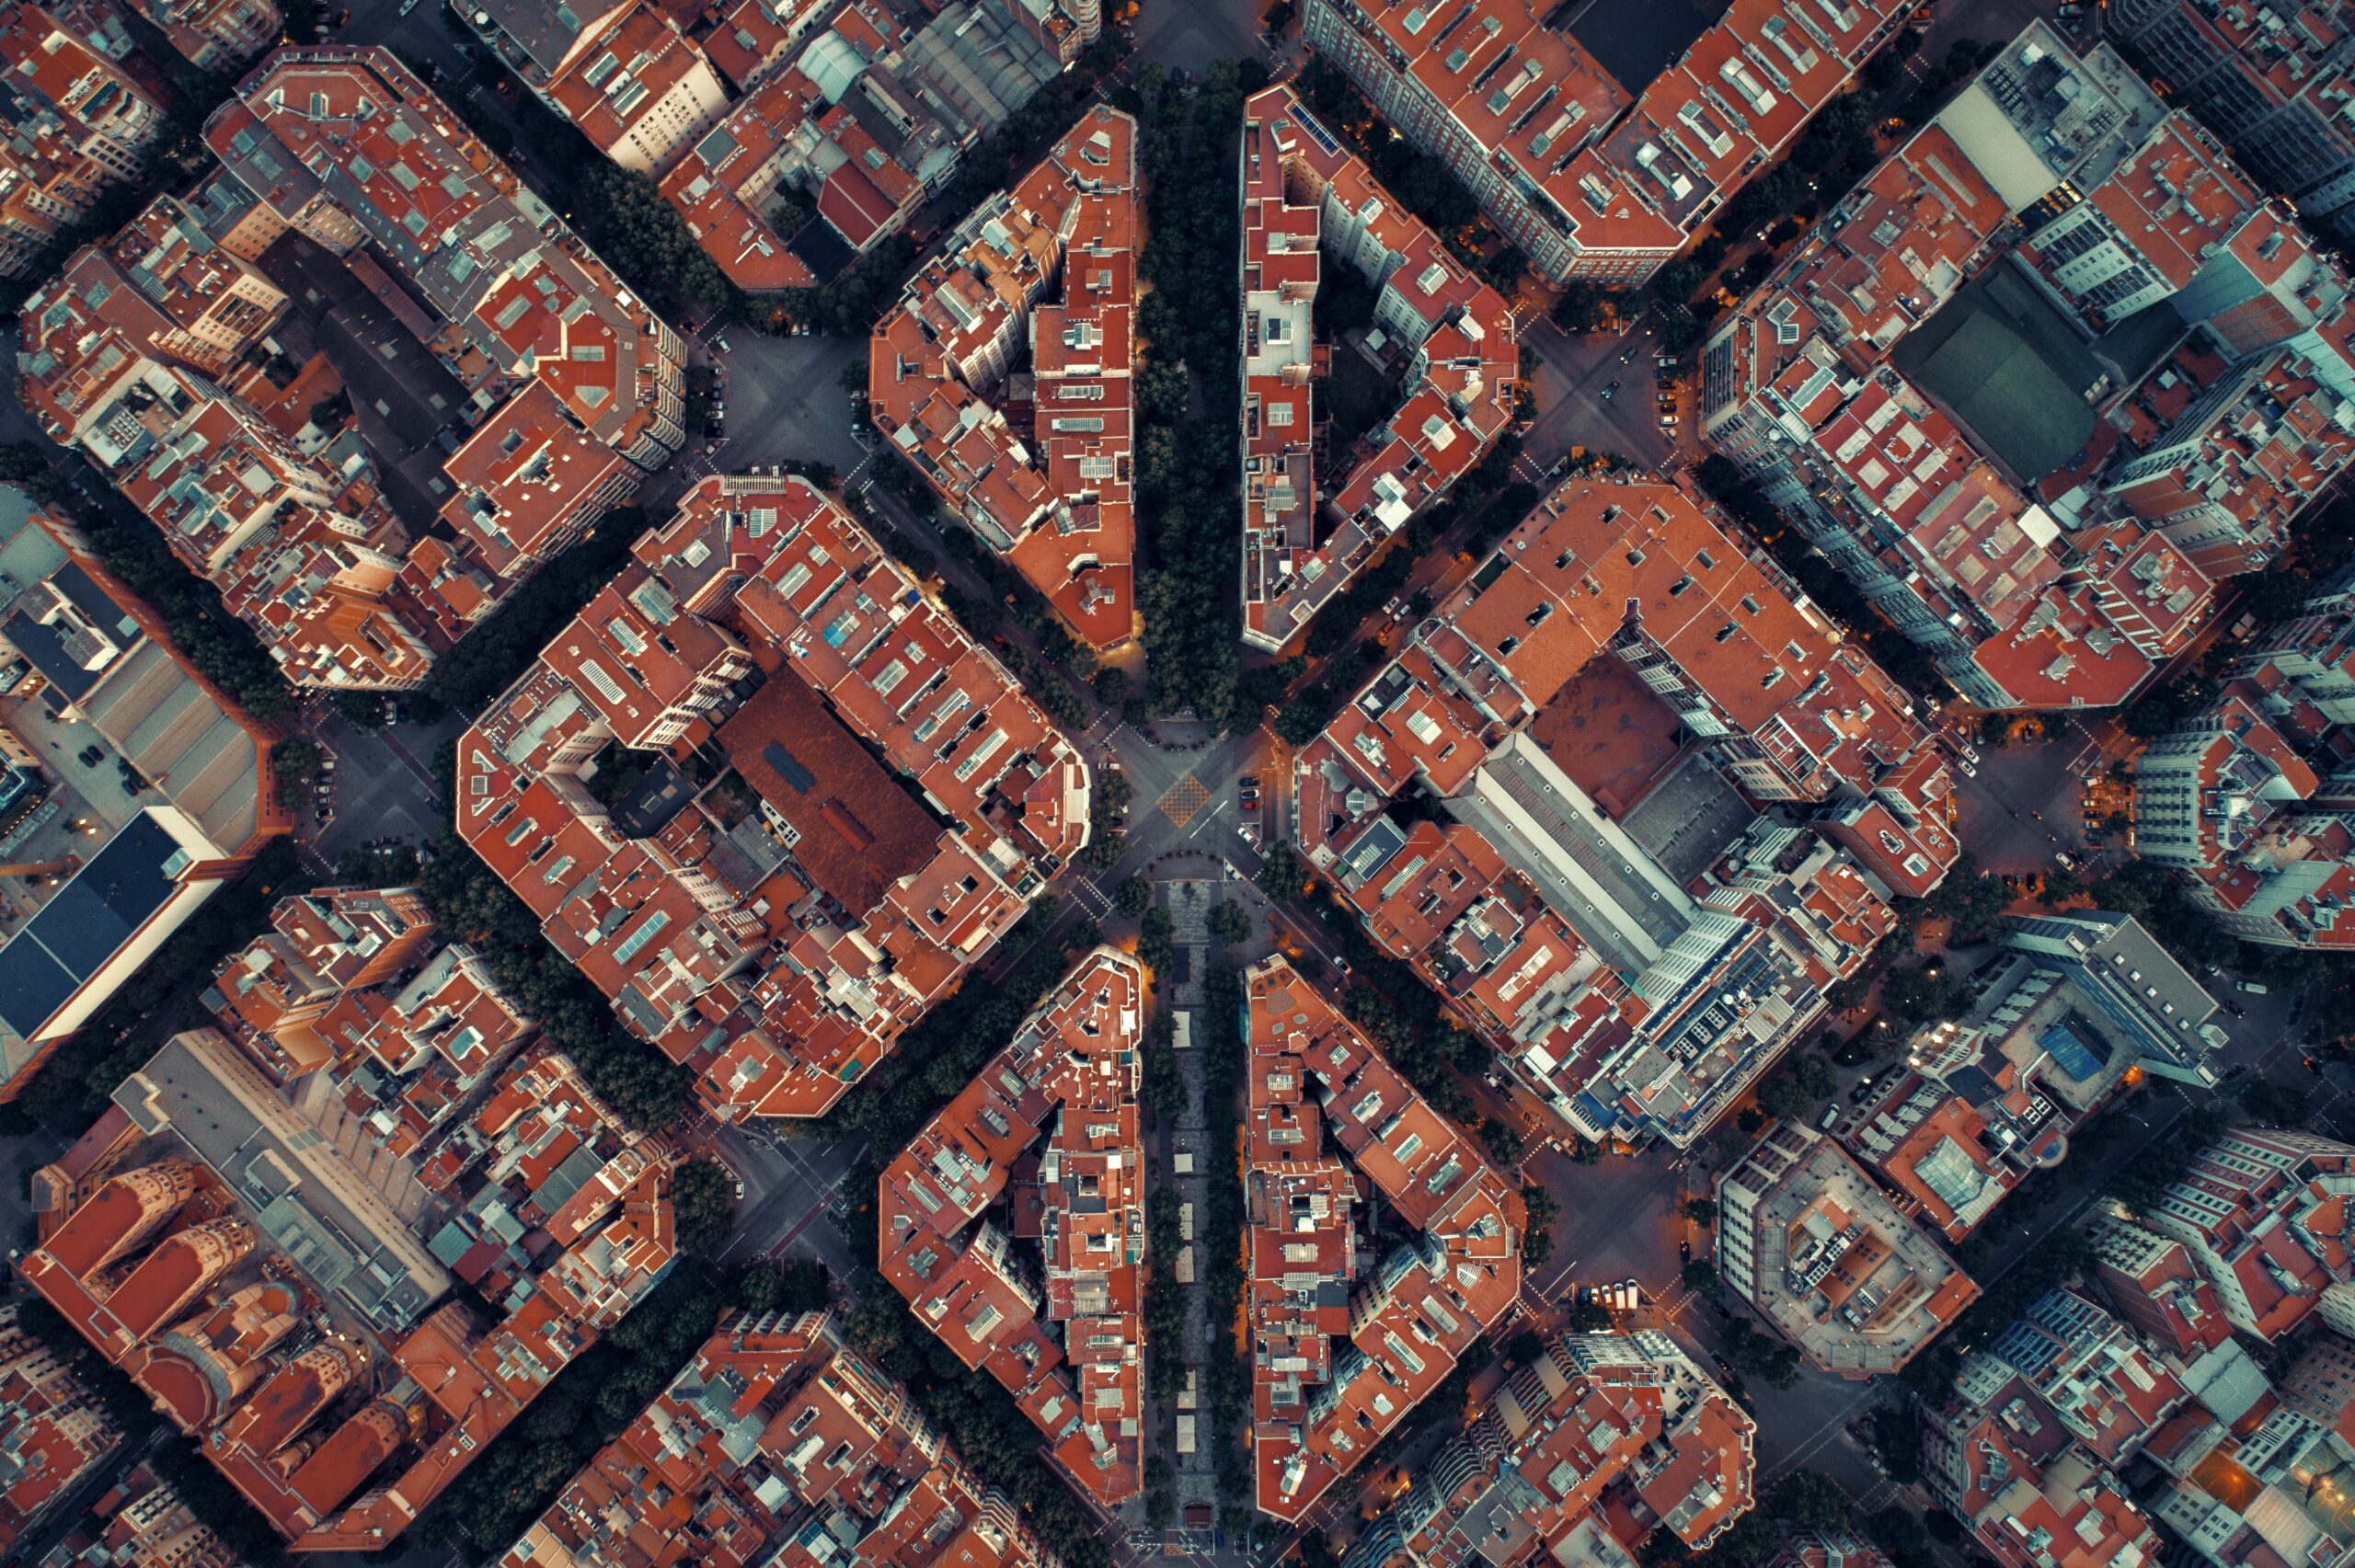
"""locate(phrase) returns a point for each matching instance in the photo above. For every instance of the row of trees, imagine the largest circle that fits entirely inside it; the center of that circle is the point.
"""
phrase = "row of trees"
(471, 905)
(940, 1054)
(1815, 575)
(489, 658)
(1426, 185)
(1187, 463)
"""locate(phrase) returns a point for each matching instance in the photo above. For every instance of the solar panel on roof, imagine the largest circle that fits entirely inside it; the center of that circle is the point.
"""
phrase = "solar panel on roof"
(787, 767)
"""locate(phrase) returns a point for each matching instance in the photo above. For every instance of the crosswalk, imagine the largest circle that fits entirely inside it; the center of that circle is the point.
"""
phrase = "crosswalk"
(1090, 898)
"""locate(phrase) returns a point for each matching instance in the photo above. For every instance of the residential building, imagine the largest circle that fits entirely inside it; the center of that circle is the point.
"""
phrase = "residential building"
(625, 74)
(2153, 1283)
(1339, 1361)
(2242, 1212)
(2010, 1465)
(216, 35)
(1596, 896)
(1591, 177)
(1806, 1238)
(53, 1431)
(1820, 1549)
(289, 1303)
(779, 1443)
(887, 801)
(1839, 387)
(2104, 1386)
(2271, 81)
(141, 1520)
(1602, 1441)
(1059, 1328)
(345, 146)
(2134, 998)
(2060, 1020)
(1455, 335)
(350, 985)
(851, 114)
(1035, 292)
(77, 124)
(2238, 809)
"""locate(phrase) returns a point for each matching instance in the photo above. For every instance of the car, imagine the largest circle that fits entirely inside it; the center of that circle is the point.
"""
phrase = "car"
(1966, 769)
(713, 430)
(1683, 1251)
(1609, 390)
(2253, 987)
(1629, 356)
(1668, 422)
(719, 345)
(91, 756)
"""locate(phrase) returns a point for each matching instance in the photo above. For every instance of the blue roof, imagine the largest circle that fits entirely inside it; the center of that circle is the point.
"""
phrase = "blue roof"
(2071, 1054)
(86, 923)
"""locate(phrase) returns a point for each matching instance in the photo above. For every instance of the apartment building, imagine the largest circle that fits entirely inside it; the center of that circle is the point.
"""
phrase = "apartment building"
(625, 74)
(345, 146)
(1339, 1361)
(853, 113)
(778, 1441)
(1840, 387)
(1039, 281)
(77, 124)
(380, 1033)
(886, 799)
(216, 35)
(1049, 1306)
(1596, 896)
(1455, 337)
(141, 1519)
(2152, 1283)
(1590, 178)
(1806, 1238)
(277, 1295)
(2272, 80)
(54, 1432)
(2061, 1019)
(2262, 843)
(2242, 1212)
(2033, 1494)
(1600, 1442)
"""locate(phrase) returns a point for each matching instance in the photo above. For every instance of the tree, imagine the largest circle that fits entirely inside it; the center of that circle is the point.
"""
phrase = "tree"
(2274, 1103)
(295, 760)
(1132, 896)
(1537, 1242)
(1282, 873)
(1701, 1210)
(1583, 308)
(1701, 1278)
(1811, 1501)
(703, 1199)
(1156, 948)
(1503, 1141)
(1111, 684)
(1229, 922)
